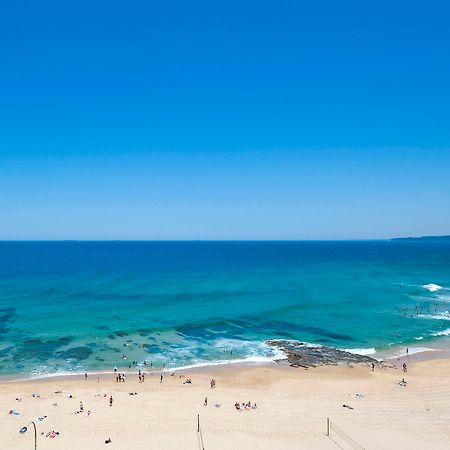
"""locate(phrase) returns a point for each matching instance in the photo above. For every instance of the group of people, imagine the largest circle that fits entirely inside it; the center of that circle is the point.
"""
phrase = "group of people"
(212, 383)
(141, 376)
(120, 377)
(247, 406)
(51, 434)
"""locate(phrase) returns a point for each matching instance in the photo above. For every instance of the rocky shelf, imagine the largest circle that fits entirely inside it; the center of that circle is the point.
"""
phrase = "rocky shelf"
(300, 354)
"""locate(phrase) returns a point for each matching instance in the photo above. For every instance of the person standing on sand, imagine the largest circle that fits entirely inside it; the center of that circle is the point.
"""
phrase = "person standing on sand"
(111, 400)
(206, 402)
(161, 378)
(85, 376)
(373, 367)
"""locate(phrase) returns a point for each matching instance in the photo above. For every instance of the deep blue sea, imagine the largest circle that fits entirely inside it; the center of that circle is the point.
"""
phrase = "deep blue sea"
(76, 306)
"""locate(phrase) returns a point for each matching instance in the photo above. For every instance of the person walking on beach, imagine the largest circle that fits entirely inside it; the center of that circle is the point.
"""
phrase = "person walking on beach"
(404, 368)
(81, 407)
(111, 400)
(85, 376)
(161, 378)
(373, 367)
(206, 402)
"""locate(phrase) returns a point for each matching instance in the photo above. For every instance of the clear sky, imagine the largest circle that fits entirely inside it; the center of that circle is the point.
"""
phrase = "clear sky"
(224, 120)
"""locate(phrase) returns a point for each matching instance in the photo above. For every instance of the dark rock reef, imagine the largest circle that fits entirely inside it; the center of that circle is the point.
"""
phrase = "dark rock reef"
(300, 354)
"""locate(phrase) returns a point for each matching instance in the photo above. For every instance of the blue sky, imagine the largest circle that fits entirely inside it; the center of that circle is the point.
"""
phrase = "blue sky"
(232, 120)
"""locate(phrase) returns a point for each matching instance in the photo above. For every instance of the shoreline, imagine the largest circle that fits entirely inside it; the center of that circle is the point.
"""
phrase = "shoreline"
(424, 354)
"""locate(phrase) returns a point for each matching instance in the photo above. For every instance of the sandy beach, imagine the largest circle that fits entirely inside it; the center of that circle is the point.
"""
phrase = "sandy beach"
(292, 406)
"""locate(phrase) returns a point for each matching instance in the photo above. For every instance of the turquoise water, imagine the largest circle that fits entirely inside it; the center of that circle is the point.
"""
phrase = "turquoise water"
(75, 306)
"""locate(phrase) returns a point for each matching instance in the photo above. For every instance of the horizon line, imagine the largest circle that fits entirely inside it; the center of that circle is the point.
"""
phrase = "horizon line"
(211, 240)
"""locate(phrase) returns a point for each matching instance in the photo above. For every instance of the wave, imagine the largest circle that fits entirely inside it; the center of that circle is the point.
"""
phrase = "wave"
(411, 351)
(442, 333)
(432, 287)
(439, 316)
(361, 351)
(254, 352)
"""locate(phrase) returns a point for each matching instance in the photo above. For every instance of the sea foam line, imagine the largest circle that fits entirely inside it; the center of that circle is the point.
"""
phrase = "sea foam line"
(442, 333)
(411, 351)
(361, 351)
(273, 354)
(440, 316)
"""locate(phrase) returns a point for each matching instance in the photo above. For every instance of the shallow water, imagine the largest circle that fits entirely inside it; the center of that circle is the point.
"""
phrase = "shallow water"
(75, 306)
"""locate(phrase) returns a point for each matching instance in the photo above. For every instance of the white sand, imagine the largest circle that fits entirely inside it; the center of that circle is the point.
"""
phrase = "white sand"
(292, 407)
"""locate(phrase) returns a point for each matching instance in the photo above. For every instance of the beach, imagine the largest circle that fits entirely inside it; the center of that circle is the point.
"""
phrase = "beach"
(292, 407)
(289, 331)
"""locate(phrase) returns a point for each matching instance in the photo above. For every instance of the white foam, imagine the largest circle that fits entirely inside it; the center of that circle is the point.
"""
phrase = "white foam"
(418, 338)
(432, 287)
(439, 316)
(411, 351)
(442, 333)
(253, 352)
(361, 351)
(414, 350)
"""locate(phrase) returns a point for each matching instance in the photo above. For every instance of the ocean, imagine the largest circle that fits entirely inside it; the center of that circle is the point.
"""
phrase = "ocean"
(91, 306)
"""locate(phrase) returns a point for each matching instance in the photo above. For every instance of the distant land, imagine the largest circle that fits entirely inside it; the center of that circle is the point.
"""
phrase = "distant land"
(445, 238)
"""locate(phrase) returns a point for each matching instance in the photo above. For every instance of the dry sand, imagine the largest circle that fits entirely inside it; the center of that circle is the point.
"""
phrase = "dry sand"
(292, 408)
